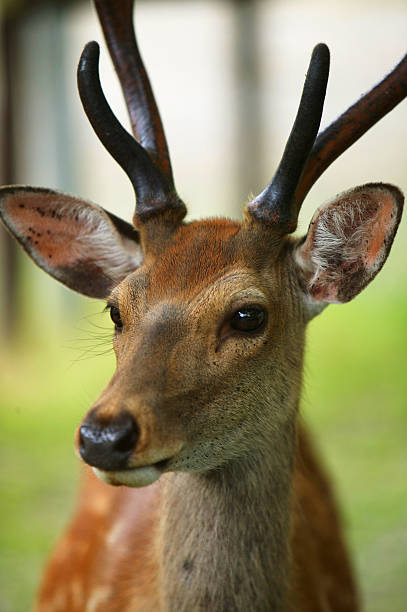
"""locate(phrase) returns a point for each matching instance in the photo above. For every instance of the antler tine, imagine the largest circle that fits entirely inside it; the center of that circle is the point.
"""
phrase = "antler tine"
(276, 204)
(116, 19)
(351, 125)
(153, 191)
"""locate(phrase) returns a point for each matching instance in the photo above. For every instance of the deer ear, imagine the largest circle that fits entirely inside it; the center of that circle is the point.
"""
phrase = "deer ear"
(348, 242)
(78, 243)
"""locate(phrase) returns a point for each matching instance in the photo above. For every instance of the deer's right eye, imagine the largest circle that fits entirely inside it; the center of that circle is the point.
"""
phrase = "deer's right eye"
(248, 319)
(115, 316)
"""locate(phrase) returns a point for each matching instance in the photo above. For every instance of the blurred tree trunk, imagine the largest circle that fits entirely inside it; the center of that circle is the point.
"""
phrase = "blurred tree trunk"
(247, 14)
(8, 279)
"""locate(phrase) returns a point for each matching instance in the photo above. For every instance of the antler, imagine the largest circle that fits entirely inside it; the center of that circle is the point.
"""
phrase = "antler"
(279, 204)
(146, 162)
(116, 19)
(351, 125)
(276, 204)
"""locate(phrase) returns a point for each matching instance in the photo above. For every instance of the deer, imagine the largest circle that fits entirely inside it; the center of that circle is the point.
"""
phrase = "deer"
(202, 488)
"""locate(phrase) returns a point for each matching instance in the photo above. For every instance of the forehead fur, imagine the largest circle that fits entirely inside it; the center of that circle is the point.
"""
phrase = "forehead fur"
(198, 252)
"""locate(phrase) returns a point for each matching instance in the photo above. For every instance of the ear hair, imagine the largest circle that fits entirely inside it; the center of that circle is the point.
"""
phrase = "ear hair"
(348, 241)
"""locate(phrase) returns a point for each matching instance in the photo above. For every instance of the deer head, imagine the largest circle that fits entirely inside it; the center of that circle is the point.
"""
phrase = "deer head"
(209, 316)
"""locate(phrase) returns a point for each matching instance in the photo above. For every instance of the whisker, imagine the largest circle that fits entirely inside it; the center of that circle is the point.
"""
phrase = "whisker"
(96, 340)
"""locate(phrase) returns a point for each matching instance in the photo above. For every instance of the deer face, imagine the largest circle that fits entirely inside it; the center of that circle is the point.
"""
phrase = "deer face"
(201, 332)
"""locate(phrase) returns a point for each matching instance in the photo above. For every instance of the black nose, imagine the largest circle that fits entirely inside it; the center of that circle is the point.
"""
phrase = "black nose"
(108, 445)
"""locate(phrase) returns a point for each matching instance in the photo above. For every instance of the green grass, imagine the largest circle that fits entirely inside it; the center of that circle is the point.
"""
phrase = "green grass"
(354, 399)
(45, 390)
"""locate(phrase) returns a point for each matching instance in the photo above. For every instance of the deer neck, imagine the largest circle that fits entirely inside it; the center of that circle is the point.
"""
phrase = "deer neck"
(224, 535)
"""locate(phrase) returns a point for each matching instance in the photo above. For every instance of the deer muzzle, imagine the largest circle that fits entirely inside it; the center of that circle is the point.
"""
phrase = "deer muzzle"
(124, 449)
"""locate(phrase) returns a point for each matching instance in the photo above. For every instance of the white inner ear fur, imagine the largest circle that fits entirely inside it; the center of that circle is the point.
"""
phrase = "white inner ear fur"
(329, 237)
(332, 236)
(98, 237)
(352, 232)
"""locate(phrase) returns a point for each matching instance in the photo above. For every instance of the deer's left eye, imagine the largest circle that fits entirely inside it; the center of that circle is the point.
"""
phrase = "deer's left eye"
(116, 318)
(248, 319)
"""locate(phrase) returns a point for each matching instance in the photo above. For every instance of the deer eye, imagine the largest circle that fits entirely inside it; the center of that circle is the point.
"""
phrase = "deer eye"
(248, 319)
(115, 316)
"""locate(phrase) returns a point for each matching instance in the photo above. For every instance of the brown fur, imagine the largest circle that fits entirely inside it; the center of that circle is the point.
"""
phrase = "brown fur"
(320, 580)
(243, 518)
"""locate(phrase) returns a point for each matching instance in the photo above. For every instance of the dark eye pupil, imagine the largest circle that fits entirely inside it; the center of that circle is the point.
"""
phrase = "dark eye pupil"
(115, 316)
(248, 319)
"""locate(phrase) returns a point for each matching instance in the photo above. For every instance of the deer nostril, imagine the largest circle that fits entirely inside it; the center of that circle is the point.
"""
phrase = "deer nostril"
(127, 440)
(110, 445)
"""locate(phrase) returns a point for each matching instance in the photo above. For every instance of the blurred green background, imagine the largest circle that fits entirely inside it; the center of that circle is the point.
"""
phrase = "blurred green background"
(226, 135)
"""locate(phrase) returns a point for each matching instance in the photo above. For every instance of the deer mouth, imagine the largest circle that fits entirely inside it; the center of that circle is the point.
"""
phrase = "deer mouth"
(133, 477)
